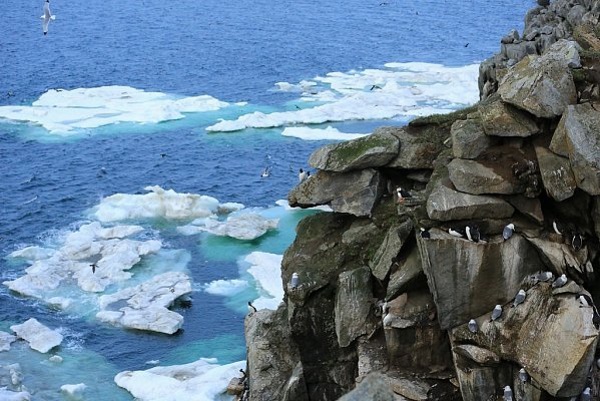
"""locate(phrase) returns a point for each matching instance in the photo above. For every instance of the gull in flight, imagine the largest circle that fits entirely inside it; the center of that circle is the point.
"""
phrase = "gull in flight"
(46, 17)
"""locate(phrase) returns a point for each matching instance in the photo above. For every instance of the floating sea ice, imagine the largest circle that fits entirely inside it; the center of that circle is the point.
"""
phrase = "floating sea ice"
(5, 341)
(73, 390)
(226, 287)
(406, 90)
(7, 395)
(157, 203)
(61, 111)
(39, 337)
(145, 306)
(266, 270)
(202, 380)
(318, 134)
(243, 226)
(33, 253)
(113, 255)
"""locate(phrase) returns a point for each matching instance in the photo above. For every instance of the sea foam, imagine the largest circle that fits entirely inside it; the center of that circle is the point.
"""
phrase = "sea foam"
(398, 90)
(62, 111)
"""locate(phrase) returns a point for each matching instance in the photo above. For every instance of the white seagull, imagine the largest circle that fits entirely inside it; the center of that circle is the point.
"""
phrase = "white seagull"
(47, 17)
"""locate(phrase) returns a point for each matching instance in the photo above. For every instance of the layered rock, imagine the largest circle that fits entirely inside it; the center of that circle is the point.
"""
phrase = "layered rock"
(490, 197)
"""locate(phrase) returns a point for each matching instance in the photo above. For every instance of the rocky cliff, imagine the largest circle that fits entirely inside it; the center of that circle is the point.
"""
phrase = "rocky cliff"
(459, 260)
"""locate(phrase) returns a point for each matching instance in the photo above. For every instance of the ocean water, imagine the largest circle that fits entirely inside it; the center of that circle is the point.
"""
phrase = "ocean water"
(200, 98)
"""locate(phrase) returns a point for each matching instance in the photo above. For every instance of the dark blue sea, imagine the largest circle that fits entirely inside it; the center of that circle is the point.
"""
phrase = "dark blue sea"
(199, 98)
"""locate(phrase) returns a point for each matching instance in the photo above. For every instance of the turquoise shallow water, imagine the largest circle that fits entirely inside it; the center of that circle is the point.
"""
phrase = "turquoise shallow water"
(235, 52)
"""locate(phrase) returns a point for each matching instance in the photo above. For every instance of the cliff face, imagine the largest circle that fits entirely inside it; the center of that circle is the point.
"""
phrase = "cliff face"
(388, 284)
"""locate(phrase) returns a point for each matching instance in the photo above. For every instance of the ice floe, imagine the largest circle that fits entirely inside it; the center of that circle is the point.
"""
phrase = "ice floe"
(319, 134)
(159, 203)
(73, 390)
(106, 248)
(7, 395)
(242, 226)
(399, 90)
(5, 340)
(39, 337)
(62, 111)
(265, 268)
(145, 306)
(202, 380)
(226, 287)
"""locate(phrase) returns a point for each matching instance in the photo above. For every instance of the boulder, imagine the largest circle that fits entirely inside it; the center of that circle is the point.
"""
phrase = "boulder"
(478, 177)
(469, 139)
(468, 279)
(355, 192)
(557, 176)
(578, 136)
(408, 271)
(39, 337)
(559, 257)
(386, 255)
(541, 85)
(545, 321)
(445, 204)
(374, 387)
(272, 356)
(501, 119)
(353, 305)
(596, 215)
(374, 150)
(418, 146)
(414, 339)
(530, 207)
(479, 372)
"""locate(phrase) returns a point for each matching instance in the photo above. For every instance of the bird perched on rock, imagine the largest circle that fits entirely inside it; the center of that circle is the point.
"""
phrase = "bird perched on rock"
(387, 319)
(519, 298)
(424, 233)
(508, 231)
(456, 232)
(473, 326)
(251, 308)
(586, 301)
(402, 194)
(545, 276)
(577, 241)
(496, 313)
(586, 395)
(557, 227)
(559, 282)
(523, 376)
(508, 394)
(302, 175)
(294, 281)
(473, 233)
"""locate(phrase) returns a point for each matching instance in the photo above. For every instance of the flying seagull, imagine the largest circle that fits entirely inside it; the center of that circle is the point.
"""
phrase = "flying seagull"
(46, 17)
